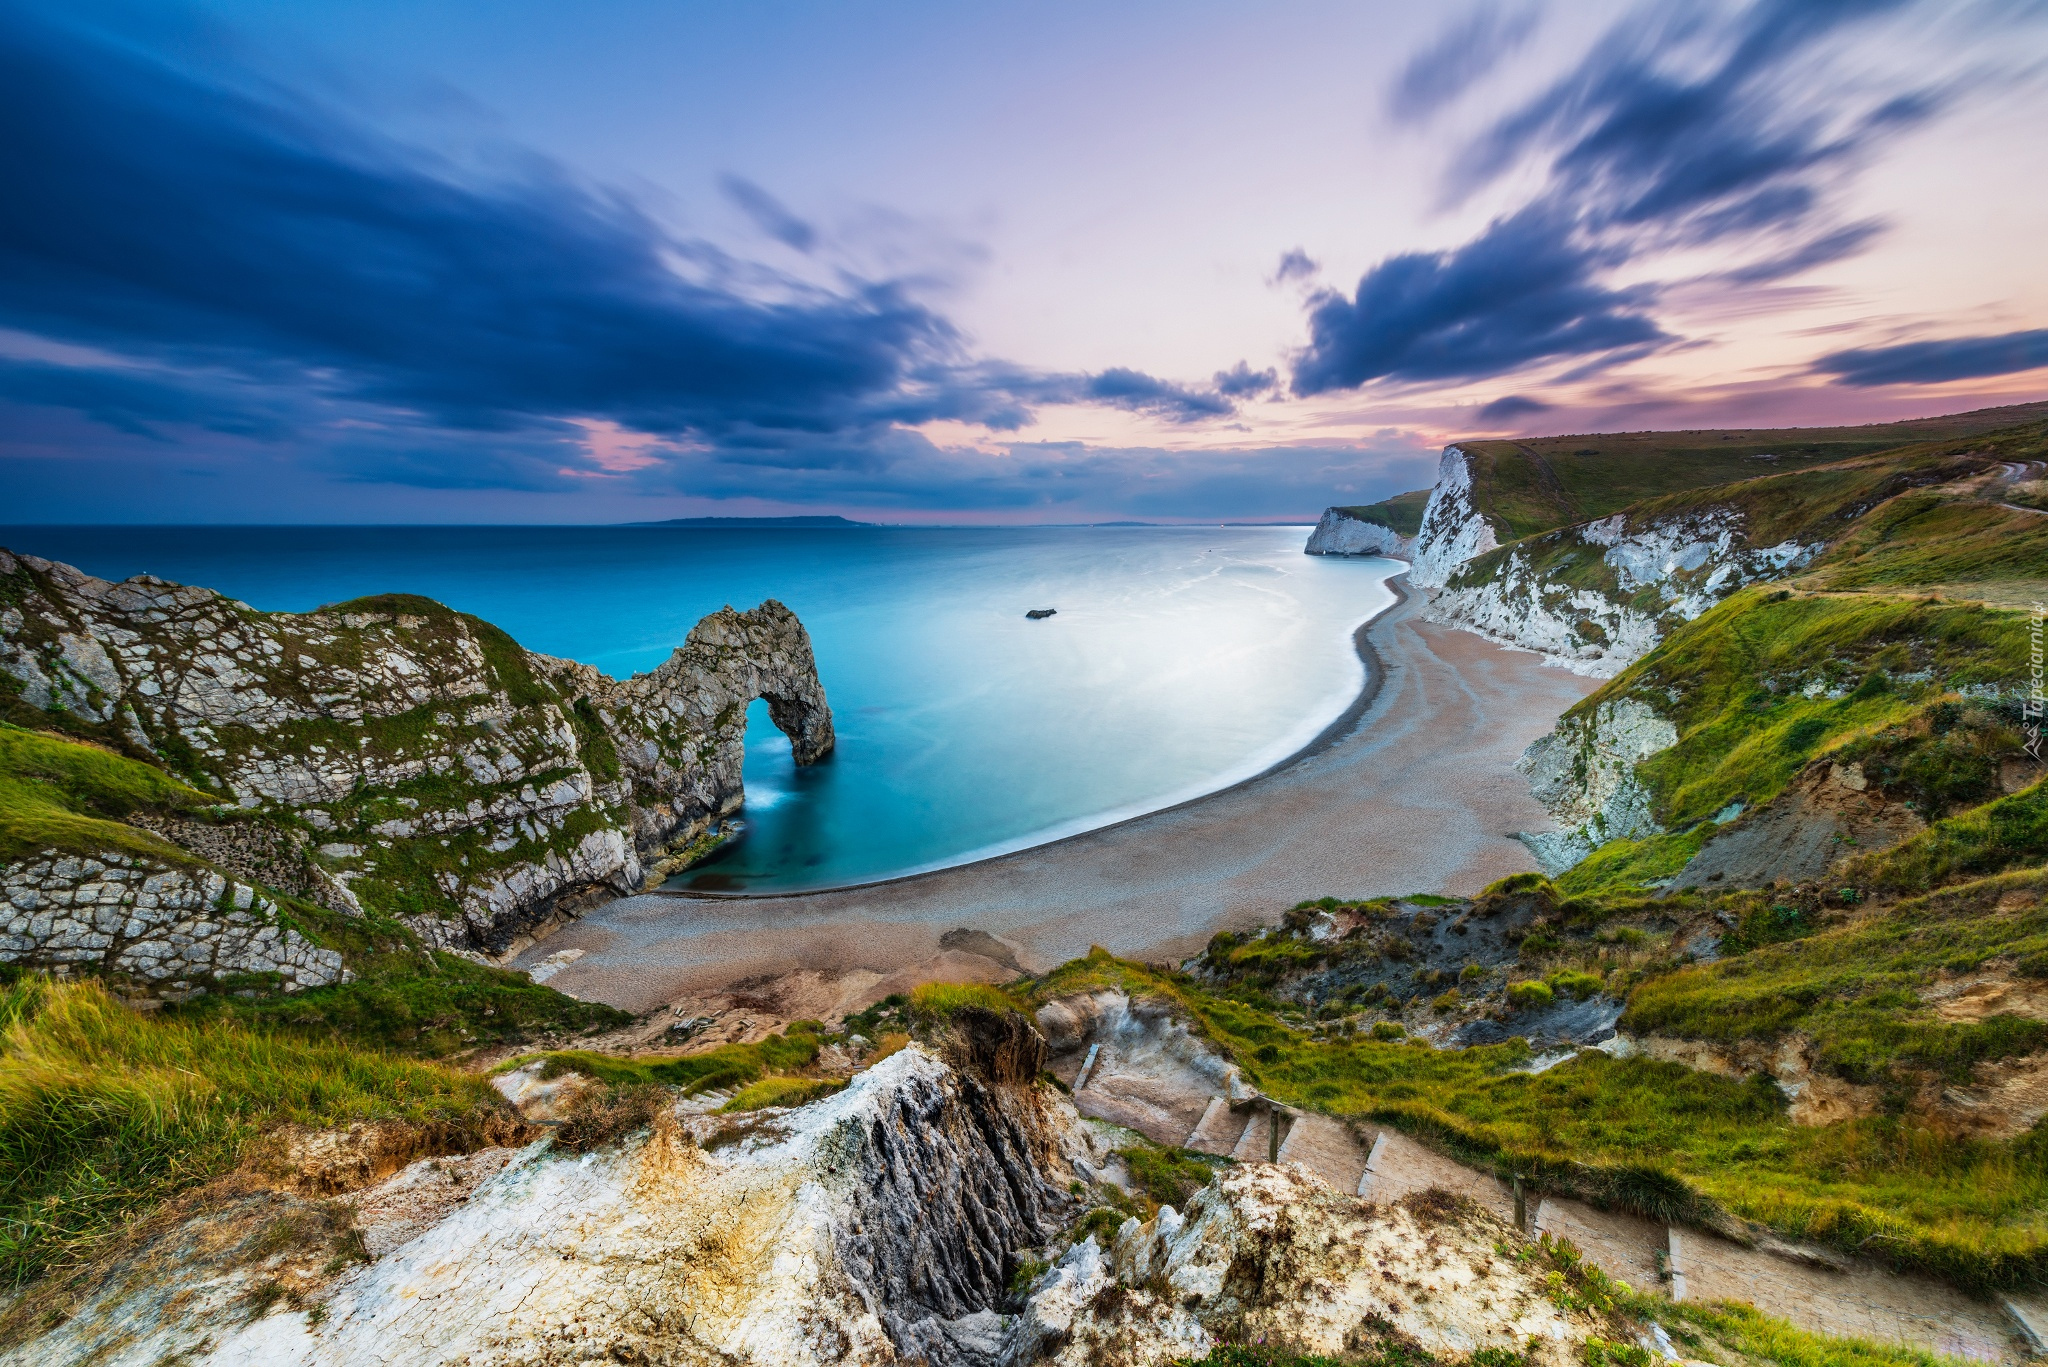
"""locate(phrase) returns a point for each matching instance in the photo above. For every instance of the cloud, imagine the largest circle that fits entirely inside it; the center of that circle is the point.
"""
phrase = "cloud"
(236, 240)
(1510, 407)
(1464, 52)
(1682, 127)
(769, 213)
(1933, 362)
(1241, 381)
(1294, 265)
(1525, 290)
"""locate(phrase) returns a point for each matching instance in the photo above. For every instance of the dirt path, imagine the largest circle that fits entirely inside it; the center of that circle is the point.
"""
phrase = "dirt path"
(1421, 796)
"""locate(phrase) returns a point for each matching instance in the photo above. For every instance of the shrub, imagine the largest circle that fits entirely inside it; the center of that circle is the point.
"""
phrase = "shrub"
(1572, 982)
(782, 1091)
(1388, 1030)
(1532, 995)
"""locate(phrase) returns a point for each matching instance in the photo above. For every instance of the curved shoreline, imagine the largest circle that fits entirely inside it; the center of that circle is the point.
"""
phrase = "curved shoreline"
(1343, 725)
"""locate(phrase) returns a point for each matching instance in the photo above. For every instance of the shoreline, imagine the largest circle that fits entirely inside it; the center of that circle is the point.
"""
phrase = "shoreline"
(1422, 796)
(1341, 726)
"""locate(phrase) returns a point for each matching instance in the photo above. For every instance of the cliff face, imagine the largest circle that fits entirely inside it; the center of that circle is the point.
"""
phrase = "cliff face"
(1598, 597)
(407, 758)
(1453, 528)
(880, 1225)
(1584, 772)
(1341, 533)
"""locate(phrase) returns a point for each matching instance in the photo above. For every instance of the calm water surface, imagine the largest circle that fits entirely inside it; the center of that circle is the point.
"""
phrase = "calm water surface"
(1181, 659)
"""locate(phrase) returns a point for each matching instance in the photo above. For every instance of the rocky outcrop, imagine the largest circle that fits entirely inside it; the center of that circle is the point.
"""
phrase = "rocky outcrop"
(881, 1225)
(1598, 597)
(1453, 528)
(1341, 532)
(1268, 1253)
(1584, 772)
(428, 766)
(131, 919)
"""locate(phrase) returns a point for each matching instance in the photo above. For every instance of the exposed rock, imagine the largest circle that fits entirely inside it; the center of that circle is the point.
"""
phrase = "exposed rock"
(1651, 575)
(878, 1226)
(1341, 533)
(1267, 1252)
(1584, 772)
(1453, 530)
(1817, 1098)
(139, 921)
(457, 780)
(1829, 813)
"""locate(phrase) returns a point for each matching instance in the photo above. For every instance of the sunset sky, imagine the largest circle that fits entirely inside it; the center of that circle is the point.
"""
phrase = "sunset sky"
(501, 260)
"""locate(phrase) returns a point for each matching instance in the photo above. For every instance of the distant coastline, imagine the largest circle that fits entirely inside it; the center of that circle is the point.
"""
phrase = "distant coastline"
(737, 523)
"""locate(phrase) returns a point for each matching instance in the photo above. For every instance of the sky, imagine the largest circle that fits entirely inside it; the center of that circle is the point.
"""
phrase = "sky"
(512, 261)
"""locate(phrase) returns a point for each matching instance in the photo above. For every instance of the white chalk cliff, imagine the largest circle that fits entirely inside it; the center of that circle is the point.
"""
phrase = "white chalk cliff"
(1340, 532)
(1453, 529)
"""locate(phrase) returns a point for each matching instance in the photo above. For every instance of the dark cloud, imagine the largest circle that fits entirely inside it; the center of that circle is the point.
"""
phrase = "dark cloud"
(1141, 393)
(1950, 358)
(1526, 290)
(1465, 51)
(139, 404)
(770, 215)
(1682, 127)
(1241, 381)
(184, 227)
(1295, 265)
(1510, 407)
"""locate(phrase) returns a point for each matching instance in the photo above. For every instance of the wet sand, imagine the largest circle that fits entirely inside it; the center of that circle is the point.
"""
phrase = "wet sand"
(1419, 796)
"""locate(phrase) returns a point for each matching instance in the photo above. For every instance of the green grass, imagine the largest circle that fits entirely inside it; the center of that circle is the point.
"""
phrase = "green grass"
(729, 1065)
(64, 795)
(1534, 485)
(1401, 513)
(1732, 683)
(1999, 835)
(935, 1003)
(782, 1091)
(404, 999)
(1855, 988)
(105, 1113)
(1657, 1138)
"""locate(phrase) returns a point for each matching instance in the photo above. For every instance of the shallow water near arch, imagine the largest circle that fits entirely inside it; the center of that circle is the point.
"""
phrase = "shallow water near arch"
(1178, 660)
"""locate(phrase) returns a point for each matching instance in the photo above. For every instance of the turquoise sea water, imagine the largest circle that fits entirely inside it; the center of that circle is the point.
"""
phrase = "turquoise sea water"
(1180, 659)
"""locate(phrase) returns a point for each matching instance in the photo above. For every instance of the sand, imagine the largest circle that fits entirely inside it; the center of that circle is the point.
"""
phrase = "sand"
(1419, 795)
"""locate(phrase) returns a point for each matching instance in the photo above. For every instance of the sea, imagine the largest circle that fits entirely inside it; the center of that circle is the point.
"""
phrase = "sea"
(1177, 661)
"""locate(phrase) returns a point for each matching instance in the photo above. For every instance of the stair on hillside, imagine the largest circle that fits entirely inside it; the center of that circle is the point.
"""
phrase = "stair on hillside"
(1326, 1148)
(1254, 1145)
(1218, 1130)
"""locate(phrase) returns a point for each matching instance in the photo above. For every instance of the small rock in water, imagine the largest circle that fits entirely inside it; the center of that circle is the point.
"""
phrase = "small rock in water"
(1037, 613)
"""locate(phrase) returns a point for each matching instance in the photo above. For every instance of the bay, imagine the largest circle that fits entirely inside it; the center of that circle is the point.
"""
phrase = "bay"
(1178, 661)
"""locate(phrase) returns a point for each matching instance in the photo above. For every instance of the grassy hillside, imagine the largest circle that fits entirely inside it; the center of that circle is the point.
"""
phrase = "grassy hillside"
(104, 1113)
(1401, 513)
(1533, 485)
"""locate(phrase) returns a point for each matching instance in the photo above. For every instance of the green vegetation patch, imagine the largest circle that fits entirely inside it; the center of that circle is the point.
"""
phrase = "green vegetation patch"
(728, 1065)
(1747, 684)
(2004, 834)
(105, 1113)
(1857, 988)
(782, 1091)
(1402, 513)
(64, 795)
